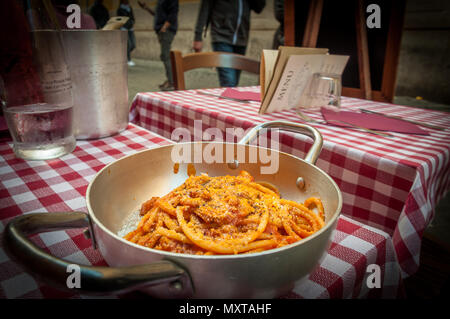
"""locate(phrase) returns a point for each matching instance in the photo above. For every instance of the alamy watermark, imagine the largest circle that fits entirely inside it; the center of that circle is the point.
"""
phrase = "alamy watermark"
(267, 156)
(73, 21)
(374, 18)
(374, 279)
(74, 279)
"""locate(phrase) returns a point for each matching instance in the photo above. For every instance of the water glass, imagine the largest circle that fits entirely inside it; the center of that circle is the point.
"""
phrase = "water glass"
(40, 131)
(325, 91)
(36, 93)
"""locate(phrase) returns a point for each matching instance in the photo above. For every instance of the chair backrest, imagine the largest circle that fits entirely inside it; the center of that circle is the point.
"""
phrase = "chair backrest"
(181, 64)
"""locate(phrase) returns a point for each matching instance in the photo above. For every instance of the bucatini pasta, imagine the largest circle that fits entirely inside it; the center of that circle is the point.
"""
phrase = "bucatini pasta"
(224, 215)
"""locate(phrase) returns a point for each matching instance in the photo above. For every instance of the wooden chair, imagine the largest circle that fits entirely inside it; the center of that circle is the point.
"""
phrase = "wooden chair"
(181, 64)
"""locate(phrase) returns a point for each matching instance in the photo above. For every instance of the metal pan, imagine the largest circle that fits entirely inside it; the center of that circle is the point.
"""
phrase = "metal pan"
(118, 190)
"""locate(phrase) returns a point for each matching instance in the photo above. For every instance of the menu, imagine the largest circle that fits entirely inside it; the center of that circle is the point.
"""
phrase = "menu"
(293, 87)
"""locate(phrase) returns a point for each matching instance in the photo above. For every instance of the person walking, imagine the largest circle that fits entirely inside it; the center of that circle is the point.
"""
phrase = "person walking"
(100, 14)
(278, 37)
(230, 25)
(125, 10)
(165, 26)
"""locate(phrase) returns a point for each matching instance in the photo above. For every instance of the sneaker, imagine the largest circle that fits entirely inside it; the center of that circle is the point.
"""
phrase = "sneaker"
(169, 87)
(165, 84)
(131, 63)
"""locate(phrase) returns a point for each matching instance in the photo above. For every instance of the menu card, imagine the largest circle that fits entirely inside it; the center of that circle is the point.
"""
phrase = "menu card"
(292, 89)
(272, 66)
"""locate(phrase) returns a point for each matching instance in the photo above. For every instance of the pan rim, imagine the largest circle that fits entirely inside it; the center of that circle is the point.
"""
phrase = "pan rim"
(163, 253)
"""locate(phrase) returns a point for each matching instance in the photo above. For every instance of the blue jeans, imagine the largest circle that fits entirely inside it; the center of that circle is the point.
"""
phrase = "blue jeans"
(165, 40)
(228, 77)
(131, 44)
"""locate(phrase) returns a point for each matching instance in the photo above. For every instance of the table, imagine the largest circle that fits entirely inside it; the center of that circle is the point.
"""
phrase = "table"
(61, 184)
(392, 184)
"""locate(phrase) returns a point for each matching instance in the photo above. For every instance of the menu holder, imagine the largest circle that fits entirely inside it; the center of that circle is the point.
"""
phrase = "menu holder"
(285, 75)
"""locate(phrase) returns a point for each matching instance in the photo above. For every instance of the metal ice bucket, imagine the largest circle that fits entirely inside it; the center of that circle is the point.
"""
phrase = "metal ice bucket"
(99, 72)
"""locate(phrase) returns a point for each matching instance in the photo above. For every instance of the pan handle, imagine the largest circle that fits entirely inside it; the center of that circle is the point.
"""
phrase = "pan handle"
(314, 151)
(92, 279)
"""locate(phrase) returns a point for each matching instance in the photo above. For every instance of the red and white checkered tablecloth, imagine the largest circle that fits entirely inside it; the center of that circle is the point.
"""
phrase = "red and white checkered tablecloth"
(61, 184)
(389, 183)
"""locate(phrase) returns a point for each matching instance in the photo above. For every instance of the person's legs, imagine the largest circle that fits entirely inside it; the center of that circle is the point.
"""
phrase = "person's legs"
(131, 44)
(277, 38)
(239, 50)
(128, 47)
(165, 40)
(227, 76)
(133, 40)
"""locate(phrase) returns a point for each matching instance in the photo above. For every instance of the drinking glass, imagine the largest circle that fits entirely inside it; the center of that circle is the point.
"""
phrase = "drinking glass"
(324, 91)
(36, 95)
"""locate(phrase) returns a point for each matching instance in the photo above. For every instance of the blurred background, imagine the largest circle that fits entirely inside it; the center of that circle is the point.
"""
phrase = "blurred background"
(423, 68)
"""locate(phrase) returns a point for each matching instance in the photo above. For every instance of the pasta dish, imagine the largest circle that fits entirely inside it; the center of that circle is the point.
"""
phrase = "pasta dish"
(224, 215)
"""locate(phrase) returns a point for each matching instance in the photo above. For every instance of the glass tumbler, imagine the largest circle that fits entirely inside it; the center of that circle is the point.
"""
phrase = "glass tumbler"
(37, 100)
(325, 90)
